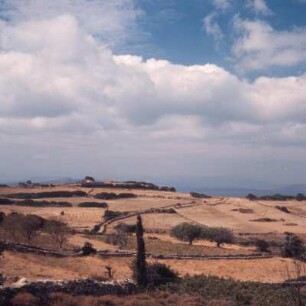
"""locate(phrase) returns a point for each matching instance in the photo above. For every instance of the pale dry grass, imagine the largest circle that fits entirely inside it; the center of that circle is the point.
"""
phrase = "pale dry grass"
(36, 267)
(216, 211)
(261, 270)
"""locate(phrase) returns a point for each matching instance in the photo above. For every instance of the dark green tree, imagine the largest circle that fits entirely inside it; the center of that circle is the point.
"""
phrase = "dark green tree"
(141, 265)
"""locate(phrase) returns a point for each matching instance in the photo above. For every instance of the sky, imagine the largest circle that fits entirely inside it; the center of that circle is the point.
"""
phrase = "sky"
(203, 92)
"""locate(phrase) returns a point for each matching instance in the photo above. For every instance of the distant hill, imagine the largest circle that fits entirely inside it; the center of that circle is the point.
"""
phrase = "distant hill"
(241, 192)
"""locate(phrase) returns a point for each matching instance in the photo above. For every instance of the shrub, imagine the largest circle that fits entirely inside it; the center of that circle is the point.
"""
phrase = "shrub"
(186, 232)
(283, 209)
(2, 216)
(251, 197)
(47, 194)
(125, 228)
(4, 201)
(293, 246)
(264, 220)
(199, 195)
(93, 204)
(114, 196)
(111, 214)
(300, 197)
(157, 274)
(33, 203)
(88, 249)
(117, 239)
(262, 245)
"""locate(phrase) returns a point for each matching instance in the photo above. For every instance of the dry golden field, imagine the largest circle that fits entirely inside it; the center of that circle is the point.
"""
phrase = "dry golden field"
(216, 211)
(36, 267)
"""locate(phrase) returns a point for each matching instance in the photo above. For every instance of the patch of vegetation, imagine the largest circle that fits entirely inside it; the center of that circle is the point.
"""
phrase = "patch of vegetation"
(88, 249)
(262, 246)
(114, 196)
(165, 211)
(276, 197)
(127, 185)
(119, 239)
(282, 208)
(235, 292)
(93, 204)
(125, 228)
(244, 210)
(158, 246)
(47, 194)
(4, 201)
(199, 195)
(293, 247)
(112, 214)
(265, 219)
(156, 298)
(190, 232)
(42, 203)
(158, 274)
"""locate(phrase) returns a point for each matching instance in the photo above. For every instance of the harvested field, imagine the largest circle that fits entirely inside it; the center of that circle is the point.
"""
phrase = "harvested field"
(36, 267)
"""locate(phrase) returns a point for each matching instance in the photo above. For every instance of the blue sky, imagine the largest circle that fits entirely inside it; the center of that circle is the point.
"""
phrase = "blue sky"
(176, 29)
(210, 92)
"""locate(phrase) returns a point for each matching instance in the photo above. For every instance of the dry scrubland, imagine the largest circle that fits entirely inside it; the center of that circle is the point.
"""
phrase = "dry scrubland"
(216, 211)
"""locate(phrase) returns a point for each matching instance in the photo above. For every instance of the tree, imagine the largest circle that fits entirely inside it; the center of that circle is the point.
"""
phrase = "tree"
(30, 224)
(12, 225)
(293, 246)
(221, 235)
(141, 265)
(186, 232)
(89, 179)
(251, 197)
(58, 231)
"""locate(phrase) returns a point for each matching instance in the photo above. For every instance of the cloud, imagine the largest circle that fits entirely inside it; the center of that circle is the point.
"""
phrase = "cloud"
(114, 22)
(222, 4)
(66, 96)
(259, 7)
(260, 47)
(66, 81)
(212, 28)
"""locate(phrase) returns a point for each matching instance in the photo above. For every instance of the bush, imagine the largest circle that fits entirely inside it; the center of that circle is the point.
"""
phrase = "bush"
(283, 209)
(157, 274)
(293, 246)
(88, 249)
(47, 194)
(186, 232)
(125, 228)
(93, 204)
(114, 196)
(4, 201)
(199, 195)
(262, 245)
(116, 239)
(251, 197)
(33, 203)
(111, 214)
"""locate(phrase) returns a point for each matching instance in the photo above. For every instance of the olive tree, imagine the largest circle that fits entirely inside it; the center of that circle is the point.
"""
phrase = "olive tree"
(186, 232)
